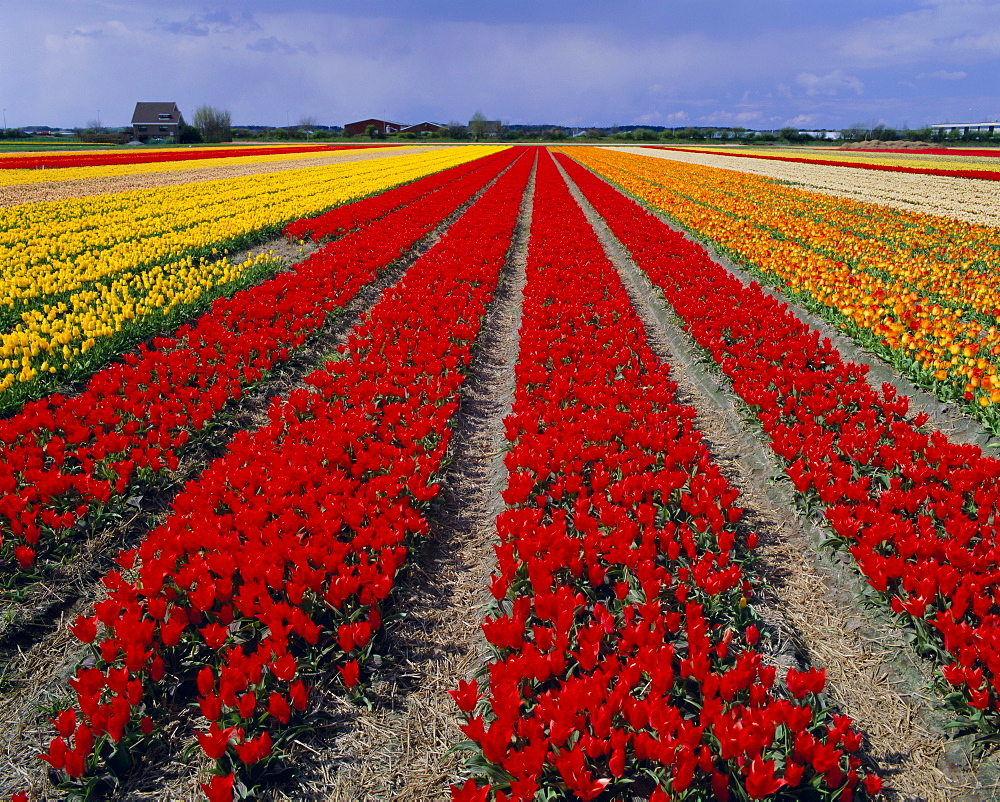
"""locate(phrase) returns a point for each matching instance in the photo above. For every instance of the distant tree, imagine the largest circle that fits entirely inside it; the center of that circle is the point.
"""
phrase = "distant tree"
(855, 133)
(884, 133)
(307, 121)
(789, 134)
(477, 126)
(214, 124)
(457, 131)
(189, 135)
(643, 135)
(595, 133)
(556, 133)
(372, 132)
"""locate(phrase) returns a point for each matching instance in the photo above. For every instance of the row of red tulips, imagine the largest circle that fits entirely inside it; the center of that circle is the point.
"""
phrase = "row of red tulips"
(344, 219)
(987, 175)
(986, 152)
(36, 161)
(63, 460)
(625, 660)
(273, 566)
(918, 512)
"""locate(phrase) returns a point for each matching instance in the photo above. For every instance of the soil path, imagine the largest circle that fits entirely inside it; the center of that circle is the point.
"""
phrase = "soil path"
(399, 749)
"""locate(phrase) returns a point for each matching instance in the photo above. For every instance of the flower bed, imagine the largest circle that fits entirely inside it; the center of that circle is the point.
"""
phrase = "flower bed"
(64, 460)
(108, 270)
(52, 161)
(917, 512)
(919, 290)
(624, 649)
(841, 160)
(274, 565)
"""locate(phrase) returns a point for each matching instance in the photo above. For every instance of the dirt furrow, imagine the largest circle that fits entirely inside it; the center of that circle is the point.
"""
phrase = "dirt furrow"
(37, 652)
(809, 598)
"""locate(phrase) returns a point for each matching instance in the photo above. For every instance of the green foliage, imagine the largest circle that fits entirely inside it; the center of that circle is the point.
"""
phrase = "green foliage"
(214, 124)
(189, 135)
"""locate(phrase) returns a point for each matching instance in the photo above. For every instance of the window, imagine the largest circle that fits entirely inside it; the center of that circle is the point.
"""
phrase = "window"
(165, 128)
(143, 128)
(166, 116)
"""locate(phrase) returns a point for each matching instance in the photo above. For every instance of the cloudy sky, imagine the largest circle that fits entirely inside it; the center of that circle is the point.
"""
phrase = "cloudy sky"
(755, 63)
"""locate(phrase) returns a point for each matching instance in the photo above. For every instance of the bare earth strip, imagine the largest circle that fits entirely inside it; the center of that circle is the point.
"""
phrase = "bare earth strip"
(968, 199)
(61, 190)
(401, 749)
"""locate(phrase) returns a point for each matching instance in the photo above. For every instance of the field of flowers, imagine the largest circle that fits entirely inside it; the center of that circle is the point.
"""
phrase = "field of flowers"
(628, 643)
(910, 163)
(69, 159)
(112, 269)
(21, 170)
(919, 290)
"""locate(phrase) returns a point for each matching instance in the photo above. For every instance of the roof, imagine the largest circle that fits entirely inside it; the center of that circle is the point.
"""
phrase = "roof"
(965, 125)
(146, 113)
(377, 120)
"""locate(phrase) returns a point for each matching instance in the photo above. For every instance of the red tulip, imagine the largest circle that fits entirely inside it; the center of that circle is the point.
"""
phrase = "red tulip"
(220, 789)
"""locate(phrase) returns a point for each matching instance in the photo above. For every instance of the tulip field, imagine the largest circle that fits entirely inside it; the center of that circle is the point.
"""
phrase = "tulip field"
(983, 165)
(240, 419)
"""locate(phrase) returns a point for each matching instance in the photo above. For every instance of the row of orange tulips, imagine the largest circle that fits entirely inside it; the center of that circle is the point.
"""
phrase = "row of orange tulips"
(918, 289)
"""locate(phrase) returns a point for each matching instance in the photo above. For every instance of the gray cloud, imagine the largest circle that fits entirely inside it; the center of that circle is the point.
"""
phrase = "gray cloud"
(833, 83)
(209, 22)
(92, 33)
(944, 75)
(963, 31)
(272, 44)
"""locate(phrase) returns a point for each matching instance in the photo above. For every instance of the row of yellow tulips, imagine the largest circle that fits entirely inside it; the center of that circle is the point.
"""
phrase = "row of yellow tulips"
(114, 267)
(53, 338)
(15, 177)
(922, 287)
(58, 246)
